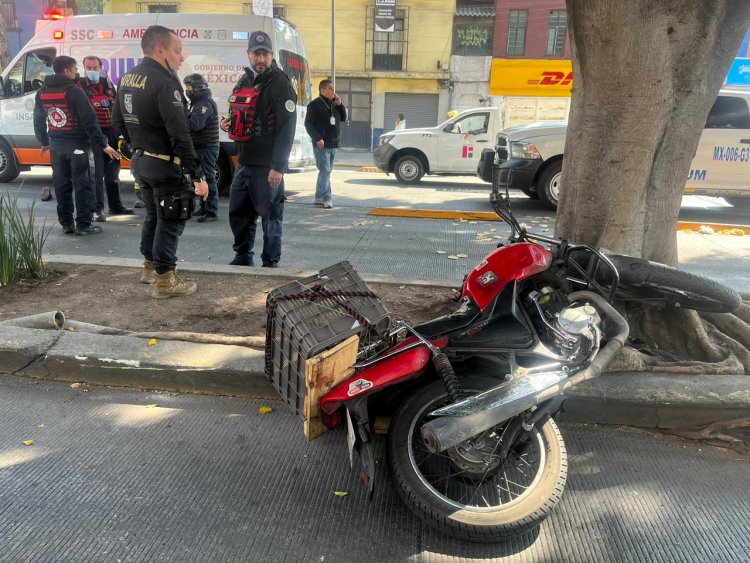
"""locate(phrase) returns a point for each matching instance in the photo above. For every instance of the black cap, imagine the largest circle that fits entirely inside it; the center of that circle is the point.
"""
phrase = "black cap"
(259, 40)
(196, 81)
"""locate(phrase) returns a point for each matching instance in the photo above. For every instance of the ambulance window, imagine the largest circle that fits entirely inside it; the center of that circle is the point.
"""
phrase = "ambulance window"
(14, 85)
(38, 65)
(728, 112)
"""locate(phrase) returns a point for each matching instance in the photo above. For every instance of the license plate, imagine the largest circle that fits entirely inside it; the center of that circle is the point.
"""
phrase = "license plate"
(350, 438)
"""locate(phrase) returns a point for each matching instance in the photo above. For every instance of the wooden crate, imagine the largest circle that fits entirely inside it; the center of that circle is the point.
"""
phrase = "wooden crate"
(322, 373)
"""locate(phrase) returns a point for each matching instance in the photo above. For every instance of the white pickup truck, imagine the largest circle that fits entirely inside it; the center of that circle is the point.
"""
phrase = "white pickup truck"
(452, 148)
(721, 166)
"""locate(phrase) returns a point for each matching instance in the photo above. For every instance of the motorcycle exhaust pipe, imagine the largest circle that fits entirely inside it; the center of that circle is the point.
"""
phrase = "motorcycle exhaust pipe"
(460, 421)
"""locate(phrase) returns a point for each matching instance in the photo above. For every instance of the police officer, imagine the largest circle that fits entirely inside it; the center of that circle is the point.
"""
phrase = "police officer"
(101, 93)
(66, 125)
(262, 121)
(151, 113)
(203, 118)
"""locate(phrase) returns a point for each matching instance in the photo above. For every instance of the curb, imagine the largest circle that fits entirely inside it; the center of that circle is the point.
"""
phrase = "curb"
(633, 399)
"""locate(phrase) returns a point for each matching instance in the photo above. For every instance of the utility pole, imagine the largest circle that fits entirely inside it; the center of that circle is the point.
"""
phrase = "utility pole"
(333, 43)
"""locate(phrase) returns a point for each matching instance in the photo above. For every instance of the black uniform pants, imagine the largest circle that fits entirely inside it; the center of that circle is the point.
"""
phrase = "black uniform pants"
(107, 174)
(72, 176)
(159, 237)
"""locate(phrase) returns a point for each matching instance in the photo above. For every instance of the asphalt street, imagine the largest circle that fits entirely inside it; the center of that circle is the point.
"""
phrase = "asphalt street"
(404, 248)
(120, 475)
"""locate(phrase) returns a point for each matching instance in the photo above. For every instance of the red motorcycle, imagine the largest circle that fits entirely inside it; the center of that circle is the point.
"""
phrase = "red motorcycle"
(472, 446)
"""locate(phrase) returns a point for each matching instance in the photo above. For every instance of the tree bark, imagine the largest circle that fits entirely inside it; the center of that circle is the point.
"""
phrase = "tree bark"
(646, 75)
(4, 50)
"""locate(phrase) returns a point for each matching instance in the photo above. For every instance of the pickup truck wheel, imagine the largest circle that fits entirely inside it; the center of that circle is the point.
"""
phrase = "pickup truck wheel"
(739, 202)
(409, 169)
(9, 170)
(548, 188)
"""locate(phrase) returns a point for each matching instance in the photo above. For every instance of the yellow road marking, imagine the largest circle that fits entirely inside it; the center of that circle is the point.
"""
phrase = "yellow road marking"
(488, 216)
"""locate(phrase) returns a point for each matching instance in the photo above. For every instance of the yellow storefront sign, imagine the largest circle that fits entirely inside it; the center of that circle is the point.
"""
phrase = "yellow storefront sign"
(531, 77)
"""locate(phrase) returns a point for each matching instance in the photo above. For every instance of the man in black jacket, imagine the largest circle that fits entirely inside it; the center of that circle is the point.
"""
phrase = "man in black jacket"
(263, 117)
(324, 116)
(152, 115)
(66, 125)
(203, 119)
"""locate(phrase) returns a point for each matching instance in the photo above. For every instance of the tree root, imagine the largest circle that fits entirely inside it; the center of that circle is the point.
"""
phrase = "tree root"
(686, 342)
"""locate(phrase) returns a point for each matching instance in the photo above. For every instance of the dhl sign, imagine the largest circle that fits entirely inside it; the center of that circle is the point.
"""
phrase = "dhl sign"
(531, 77)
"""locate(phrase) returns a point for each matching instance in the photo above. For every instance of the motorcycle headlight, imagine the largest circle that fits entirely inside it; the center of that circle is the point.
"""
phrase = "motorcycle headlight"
(526, 151)
(384, 139)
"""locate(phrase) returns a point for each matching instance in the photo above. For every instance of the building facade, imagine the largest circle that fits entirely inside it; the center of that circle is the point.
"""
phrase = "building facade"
(378, 74)
(532, 74)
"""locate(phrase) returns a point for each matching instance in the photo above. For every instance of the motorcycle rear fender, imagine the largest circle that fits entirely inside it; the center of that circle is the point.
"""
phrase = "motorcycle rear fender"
(389, 371)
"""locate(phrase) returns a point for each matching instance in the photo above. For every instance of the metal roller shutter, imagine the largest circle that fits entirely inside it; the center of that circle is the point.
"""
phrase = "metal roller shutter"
(420, 110)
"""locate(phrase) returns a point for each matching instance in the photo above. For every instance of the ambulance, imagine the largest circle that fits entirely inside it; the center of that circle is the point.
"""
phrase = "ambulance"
(213, 45)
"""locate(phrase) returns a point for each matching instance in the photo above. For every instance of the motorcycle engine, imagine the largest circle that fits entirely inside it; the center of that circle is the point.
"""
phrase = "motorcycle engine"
(571, 330)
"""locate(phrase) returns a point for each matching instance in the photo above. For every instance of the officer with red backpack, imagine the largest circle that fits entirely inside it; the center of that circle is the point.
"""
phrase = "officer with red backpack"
(101, 93)
(262, 120)
(66, 125)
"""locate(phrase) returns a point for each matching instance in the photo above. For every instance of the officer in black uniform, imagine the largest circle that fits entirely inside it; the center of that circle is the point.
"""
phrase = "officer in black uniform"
(151, 114)
(262, 121)
(66, 125)
(203, 119)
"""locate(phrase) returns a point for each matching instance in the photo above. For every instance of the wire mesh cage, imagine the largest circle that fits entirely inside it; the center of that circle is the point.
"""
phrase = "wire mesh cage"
(308, 316)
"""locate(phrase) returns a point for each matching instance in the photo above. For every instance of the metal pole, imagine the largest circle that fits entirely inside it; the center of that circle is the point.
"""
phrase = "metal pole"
(333, 43)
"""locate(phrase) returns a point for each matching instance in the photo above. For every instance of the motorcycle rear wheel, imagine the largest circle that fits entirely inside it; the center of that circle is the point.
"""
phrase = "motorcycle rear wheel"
(468, 492)
(654, 283)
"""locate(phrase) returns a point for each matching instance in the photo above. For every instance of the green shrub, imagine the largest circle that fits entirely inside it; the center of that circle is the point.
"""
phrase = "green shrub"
(21, 244)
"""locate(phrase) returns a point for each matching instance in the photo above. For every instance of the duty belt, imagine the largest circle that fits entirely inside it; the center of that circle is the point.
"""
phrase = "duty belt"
(168, 158)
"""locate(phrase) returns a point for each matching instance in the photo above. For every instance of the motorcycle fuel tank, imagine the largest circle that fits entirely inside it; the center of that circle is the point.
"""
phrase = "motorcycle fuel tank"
(514, 262)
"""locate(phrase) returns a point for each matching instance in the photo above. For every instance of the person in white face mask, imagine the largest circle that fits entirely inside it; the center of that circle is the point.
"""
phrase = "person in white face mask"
(101, 94)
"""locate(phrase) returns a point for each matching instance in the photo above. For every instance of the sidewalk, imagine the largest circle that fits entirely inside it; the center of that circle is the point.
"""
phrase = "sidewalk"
(637, 399)
(353, 158)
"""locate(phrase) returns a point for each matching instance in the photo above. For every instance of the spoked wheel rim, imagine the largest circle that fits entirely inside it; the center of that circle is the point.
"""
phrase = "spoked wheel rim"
(472, 477)
(554, 186)
(408, 170)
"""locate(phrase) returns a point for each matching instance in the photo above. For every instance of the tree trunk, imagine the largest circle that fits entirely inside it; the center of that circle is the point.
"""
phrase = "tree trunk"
(646, 74)
(4, 51)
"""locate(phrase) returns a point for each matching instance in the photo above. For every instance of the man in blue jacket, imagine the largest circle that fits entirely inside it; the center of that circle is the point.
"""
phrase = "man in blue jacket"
(66, 125)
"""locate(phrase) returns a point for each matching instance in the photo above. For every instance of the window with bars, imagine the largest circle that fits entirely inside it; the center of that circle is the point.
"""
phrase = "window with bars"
(517, 23)
(558, 28)
(472, 36)
(387, 51)
(278, 11)
(157, 8)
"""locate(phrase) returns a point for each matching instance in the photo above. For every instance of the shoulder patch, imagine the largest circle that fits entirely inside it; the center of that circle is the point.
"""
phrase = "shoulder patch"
(177, 96)
(204, 109)
(290, 106)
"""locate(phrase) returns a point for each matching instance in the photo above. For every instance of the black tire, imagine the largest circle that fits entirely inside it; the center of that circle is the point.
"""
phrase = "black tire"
(548, 186)
(223, 175)
(9, 169)
(520, 515)
(739, 202)
(531, 194)
(409, 169)
(651, 282)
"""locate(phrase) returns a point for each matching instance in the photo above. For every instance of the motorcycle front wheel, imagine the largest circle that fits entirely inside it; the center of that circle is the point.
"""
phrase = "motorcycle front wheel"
(469, 492)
